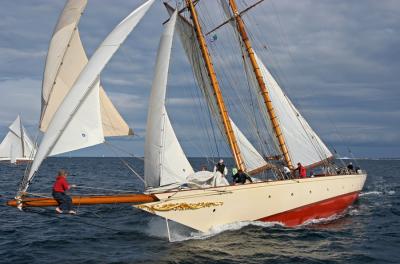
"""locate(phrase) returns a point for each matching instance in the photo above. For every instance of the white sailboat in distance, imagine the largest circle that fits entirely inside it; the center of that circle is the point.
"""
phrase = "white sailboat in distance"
(17, 146)
(173, 189)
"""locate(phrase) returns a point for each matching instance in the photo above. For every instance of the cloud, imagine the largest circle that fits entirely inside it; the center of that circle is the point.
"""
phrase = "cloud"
(338, 61)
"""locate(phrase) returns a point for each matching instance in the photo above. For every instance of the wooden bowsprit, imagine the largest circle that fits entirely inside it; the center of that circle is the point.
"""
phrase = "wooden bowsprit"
(85, 200)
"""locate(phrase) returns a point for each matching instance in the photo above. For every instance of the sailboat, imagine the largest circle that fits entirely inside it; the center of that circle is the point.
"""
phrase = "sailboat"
(17, 147)
(173, 189)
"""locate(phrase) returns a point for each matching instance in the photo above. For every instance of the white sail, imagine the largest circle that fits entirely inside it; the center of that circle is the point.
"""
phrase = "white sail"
(8, 146)
(16, 144)
(303, 143)
(65, 60)
(165, 161)
(74, 117)
(250, 155)
(252, 159)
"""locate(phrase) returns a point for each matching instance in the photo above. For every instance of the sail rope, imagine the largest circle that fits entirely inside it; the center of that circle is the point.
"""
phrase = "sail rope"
(111, 147)
(229, 78)
(314, 143)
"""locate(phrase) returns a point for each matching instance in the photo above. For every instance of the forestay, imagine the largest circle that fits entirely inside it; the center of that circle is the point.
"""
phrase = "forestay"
(250, 155)
(77, 118)
(165, 161)
(16, 144)
(65, 60)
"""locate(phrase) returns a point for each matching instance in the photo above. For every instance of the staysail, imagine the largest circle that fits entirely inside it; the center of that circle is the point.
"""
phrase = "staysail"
(250, 155)
(78, 117)
(16, 144)
(65, 60)
(165, 161)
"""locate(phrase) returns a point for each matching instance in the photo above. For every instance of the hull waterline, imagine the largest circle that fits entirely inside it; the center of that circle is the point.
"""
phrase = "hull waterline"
(291, 202)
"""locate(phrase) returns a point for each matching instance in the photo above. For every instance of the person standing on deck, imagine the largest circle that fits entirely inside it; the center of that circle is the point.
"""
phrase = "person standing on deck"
(220, 166)
(59, 188)
(302, 170)
(287, 172)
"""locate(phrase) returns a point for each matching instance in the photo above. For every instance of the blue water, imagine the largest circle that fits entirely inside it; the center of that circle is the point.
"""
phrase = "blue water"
(368, 233)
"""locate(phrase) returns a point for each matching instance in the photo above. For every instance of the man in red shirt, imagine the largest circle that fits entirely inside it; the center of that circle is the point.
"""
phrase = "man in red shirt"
(59, 188)
(302, 171)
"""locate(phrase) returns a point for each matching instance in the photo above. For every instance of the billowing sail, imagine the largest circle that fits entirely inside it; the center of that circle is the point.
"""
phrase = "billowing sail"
(17, 144)
(65, 60)
(252, 159)
(250, 155)
(165, 161)
(303, 143)
(77, 118)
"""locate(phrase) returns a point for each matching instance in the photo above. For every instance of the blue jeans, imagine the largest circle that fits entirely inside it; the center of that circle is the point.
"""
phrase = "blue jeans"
(63, 200)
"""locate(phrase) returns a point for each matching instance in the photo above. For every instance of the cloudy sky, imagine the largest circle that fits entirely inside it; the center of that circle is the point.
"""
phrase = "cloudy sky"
(338, 60)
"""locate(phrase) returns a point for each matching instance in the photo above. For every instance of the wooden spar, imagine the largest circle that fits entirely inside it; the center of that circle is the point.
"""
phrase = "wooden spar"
(86, 200)
(217, 91)
(232, 18)
(263, 88)
(22, 137)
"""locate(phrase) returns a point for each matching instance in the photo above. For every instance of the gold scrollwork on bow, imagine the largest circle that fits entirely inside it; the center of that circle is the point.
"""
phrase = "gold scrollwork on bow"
(178, 206)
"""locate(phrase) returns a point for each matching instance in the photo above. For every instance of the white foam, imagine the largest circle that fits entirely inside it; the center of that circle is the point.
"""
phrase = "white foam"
(370, 193)
(220, 229)
(321, 220)
(391, 192)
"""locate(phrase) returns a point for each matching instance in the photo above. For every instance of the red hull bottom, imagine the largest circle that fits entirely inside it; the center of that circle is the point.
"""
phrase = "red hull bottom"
(317, 210)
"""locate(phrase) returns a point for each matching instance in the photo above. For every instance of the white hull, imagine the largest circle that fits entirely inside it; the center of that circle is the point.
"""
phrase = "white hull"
(291, 201)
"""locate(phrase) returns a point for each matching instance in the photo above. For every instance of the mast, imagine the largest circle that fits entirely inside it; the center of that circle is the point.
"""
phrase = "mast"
(217, 91)
(263, 88)
(22, 137)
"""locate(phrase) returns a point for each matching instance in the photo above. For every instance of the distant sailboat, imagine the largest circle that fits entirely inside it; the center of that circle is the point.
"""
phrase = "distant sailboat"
(173, 190)
(17, 146)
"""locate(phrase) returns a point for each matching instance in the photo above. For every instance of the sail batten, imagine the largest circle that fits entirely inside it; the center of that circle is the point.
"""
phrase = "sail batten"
(73, 122)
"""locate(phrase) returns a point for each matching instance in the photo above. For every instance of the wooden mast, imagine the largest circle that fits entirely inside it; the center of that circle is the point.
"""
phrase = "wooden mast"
(217, 91)
(263, 88)
(22, 136)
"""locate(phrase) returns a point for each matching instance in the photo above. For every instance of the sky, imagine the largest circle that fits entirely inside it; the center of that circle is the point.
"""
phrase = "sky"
(338, 60)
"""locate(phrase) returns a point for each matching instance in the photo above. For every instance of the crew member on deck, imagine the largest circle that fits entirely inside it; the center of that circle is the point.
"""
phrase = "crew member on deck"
(59, 188)
(350, 167)
(302, 170)
(287, 172)
(220, 166)
(241, 177)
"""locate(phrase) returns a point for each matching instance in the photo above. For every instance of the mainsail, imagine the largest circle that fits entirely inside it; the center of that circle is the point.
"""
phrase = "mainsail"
(65, 60)
(302, 142)
(17, 144)
(165, 161)
(76, 123)
(250, 155)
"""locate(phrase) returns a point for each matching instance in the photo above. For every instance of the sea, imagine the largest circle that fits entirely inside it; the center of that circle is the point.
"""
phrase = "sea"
(368, 232)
